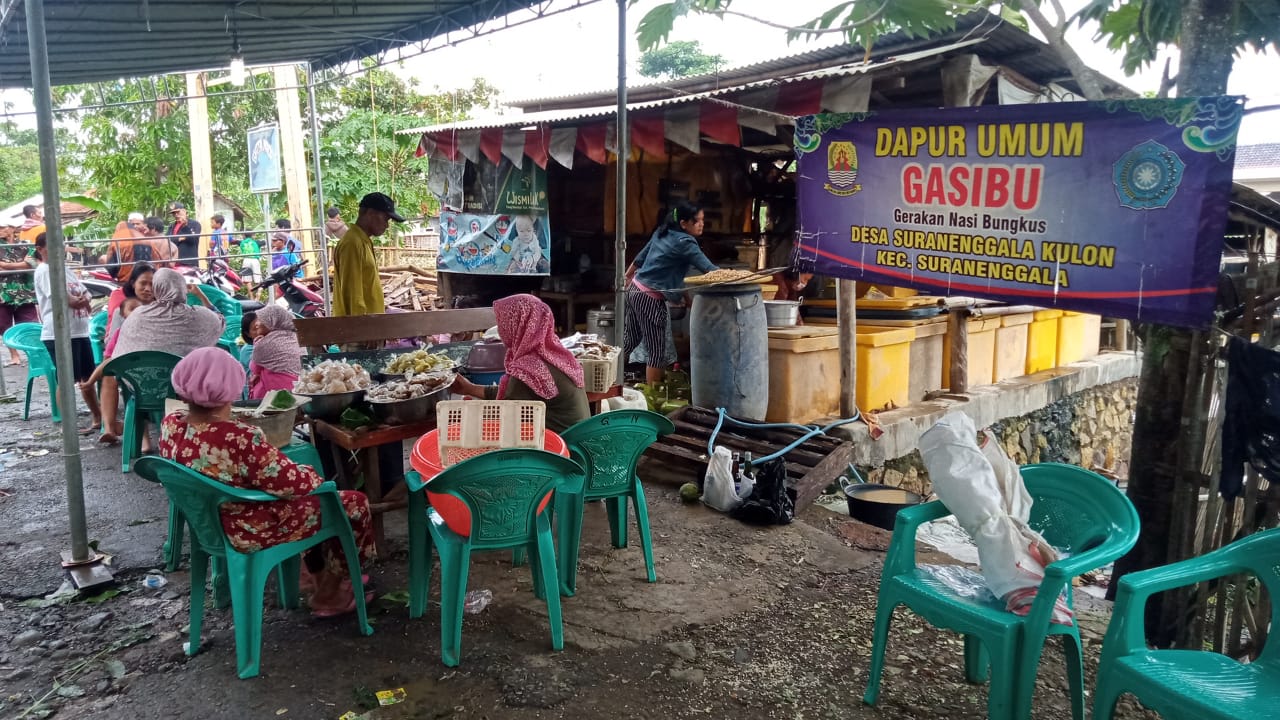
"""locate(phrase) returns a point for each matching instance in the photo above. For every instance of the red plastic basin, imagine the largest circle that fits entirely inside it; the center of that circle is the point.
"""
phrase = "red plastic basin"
(425, 458)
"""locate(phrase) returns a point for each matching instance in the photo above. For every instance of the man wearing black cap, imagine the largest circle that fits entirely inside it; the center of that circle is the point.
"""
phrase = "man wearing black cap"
(185, 234)
(357, 289)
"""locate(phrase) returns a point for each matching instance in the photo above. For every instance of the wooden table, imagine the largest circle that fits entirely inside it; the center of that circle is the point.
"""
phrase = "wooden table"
(571, 300)
(366, 442)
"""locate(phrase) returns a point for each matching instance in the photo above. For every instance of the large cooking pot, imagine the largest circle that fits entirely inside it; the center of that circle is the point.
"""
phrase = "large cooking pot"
(876, 504)
(781, 313)
(487, 356)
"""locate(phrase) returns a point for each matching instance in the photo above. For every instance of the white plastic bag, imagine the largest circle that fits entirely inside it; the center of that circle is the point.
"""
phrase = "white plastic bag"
(991, 504)
(717, 489)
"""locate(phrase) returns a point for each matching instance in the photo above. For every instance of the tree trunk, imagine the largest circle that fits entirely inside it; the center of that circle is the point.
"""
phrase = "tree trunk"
(1162, 426)
(1054, 34)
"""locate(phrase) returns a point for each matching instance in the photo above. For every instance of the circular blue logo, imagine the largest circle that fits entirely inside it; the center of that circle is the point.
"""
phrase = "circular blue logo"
(1147, 176)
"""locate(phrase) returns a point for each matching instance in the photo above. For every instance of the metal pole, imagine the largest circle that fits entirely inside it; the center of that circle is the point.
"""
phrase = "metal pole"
(323, 243)
(57, 259)
(620, 199)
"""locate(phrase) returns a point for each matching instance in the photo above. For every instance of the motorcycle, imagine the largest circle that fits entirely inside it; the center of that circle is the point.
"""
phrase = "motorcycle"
(219, 275)
(303, 302)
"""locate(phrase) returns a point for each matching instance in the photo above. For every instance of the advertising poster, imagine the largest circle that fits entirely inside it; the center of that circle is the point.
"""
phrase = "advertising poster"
(502, 229)
(264, 159)
(1116, 208)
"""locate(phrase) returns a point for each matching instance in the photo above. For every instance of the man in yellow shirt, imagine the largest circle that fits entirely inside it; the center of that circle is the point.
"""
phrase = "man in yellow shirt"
(357, 289)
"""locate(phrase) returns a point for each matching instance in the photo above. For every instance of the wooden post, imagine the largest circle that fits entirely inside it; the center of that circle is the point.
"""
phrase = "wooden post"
(958, 363)
(201, 156)
(847, 322)
(293, 150)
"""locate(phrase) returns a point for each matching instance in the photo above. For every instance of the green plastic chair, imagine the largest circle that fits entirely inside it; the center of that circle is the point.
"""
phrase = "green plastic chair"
(98, 335)
(1078, 512)
(608, 446)
(1191, 684)
(299, 452)
(145, 379)
(504, 491)
(228, 307)
(198, 497)
(26, 337)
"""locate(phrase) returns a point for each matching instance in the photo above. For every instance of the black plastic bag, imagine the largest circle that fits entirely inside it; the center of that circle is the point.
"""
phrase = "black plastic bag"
(771, 501)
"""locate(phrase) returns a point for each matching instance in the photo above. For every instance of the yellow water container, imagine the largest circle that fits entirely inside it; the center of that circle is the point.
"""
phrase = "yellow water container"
(1042, 341)
(1070, 337)
(982, 352)
(884, 367)
(1092, 335)
(804, 373)
(928, 356)
(1011, 345)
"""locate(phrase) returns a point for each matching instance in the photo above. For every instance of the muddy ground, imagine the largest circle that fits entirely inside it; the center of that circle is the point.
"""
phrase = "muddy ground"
(752, 623)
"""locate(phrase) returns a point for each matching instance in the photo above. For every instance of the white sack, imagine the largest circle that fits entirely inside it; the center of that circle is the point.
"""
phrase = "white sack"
(991, 504)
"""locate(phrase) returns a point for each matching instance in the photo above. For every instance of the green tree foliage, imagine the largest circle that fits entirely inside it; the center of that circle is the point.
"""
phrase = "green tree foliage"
(135, 154)
(1139, 28)
(19, 164)
(678, 59)
(359, 148)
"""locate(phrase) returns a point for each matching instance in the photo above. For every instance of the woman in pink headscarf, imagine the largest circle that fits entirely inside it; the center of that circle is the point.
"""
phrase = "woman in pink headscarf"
(276, 362)
(538, 367)
(206, 439)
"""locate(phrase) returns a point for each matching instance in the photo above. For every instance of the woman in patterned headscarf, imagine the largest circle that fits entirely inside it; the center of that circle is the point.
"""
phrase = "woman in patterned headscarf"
(537, 366)
(276, 362)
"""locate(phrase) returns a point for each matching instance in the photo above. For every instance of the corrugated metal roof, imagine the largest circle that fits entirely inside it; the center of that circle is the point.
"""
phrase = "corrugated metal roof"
(103, 40)
(569, 115)
(1264, 156)
(1001, 42)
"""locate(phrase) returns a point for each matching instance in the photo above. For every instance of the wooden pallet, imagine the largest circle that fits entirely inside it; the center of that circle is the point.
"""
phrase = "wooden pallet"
(811, 467)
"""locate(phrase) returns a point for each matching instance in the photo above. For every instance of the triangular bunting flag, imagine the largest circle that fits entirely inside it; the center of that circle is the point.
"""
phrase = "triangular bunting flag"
(469, 144)
(648, 134)
(591, 143)
(535, 145)
(799, 98)
(851, 93)
(491, 144)
(680, 125)
(563, 140)
(513, 146)
(719, 121)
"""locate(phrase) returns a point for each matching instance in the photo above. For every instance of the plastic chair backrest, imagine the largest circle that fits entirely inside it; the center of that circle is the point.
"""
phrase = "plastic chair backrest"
(609, 445)
(26, 337)
(1077, 510)
(226, 306)
(146, 375)
(504, 489)
(197, 497)
(98, 326)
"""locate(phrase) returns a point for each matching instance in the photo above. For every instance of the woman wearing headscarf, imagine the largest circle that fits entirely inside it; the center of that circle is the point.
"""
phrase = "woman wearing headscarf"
(276, 362)
(168, 324)
(135, 292)
(537, 366)
(206, 439)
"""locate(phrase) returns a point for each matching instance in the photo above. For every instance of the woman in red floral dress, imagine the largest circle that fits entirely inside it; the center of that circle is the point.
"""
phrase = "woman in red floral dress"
(207, 440)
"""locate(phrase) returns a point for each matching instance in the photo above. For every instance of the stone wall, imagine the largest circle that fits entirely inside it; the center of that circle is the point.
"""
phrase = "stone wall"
(1092, 428)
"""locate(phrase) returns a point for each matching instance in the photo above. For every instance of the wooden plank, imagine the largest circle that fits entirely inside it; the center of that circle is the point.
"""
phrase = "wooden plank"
(687, 434)
(390, 326)
(847, 322)
(816, 480)
(702, 416)
(698, 446)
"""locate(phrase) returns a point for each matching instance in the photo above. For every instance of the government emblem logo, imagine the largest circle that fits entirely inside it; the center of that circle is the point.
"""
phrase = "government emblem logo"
(1148, 176)
(842, 169)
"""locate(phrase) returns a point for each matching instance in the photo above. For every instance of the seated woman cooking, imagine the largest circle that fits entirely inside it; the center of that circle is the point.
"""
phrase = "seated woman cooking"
(538, 367)
(207, 440)
(276, 361)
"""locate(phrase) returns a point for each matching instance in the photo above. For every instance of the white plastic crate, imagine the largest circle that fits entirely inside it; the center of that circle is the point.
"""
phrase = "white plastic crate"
(472, 427)
(600, 375)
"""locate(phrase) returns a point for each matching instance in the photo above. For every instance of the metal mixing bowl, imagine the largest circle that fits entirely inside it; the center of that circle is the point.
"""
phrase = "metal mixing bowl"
(329, 406)
(404, 412)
